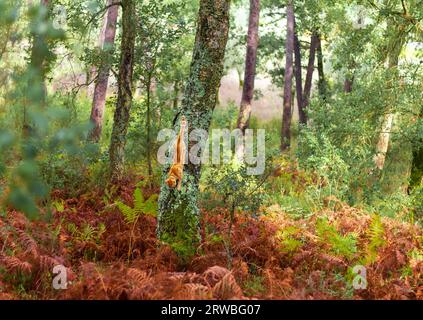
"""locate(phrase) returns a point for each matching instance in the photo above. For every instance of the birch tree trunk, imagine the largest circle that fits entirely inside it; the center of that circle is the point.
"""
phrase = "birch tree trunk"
(100, 89)
(124, 99)
(287, 96)
(178, 216)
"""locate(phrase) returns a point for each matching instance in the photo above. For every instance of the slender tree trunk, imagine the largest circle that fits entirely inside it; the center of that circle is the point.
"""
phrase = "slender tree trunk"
(148, 128)
(383, 142)
(250, 66)
(287, 96)
(299, 80)
(417, 159)
(417, 167)
(100, 89)
(309, 75)
(348, 84)
(40, 53)
(124, 100)
(176, 95)
(349, 77)
(320, 69)
(178, 217)
(39, 56)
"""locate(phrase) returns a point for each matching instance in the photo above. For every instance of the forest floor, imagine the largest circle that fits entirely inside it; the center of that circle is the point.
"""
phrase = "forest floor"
(274, 255)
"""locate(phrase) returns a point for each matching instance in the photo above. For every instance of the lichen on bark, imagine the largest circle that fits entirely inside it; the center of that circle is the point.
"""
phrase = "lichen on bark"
(124, 100)
(179, 215)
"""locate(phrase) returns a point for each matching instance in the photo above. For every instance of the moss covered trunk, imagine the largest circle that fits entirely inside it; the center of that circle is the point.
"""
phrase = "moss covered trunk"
(178, 217)
(124, 100)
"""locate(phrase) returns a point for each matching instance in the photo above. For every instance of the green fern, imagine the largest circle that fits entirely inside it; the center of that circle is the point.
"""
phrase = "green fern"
(288, 239)
(375, 235)
(344, 246)
(141, 207)
(87, 232)
(59, 205)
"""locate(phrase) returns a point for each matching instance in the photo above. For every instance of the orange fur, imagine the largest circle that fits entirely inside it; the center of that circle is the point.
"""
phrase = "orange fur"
(176, 171)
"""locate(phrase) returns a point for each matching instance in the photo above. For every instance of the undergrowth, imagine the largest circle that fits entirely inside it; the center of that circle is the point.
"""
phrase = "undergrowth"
(108, 244)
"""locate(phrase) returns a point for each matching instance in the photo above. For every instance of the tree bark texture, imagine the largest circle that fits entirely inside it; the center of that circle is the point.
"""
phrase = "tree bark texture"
(389, 119)
(299, 80)
(309, 75)
(178, 216)
(100, 89)
(124, 99)
(287, 96)
(320, 69)
(250, 66)
(310, 70)
(348, 84)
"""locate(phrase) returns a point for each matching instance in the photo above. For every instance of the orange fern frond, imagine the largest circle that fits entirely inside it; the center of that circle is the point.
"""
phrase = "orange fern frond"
(13, 264)
(28, 243)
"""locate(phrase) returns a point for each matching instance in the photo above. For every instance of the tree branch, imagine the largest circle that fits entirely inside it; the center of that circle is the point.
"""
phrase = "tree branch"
(102, 11)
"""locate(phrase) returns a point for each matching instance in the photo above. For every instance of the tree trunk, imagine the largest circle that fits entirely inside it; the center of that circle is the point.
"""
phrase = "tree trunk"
(417, 168)
(320, 69)
(389, 119)
(348, 84)
(37, 90)
(287, 96)
(250, 66)
(383, 143)
(39, 53)
(175, 94)
(124, 99)
(148, 129)
(309, 75)
(178, 217)
(299, 80)
(100, 89)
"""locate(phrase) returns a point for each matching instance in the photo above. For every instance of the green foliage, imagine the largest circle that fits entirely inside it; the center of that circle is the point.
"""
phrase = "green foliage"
(141, 207)
(254, 286)
(87, 232)
(340, 142)
(58, 205)
(289, 241)
(298, 192)
(231, 185)
(417, 203)
(342, 245)
(376, 232)
(225, 118)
